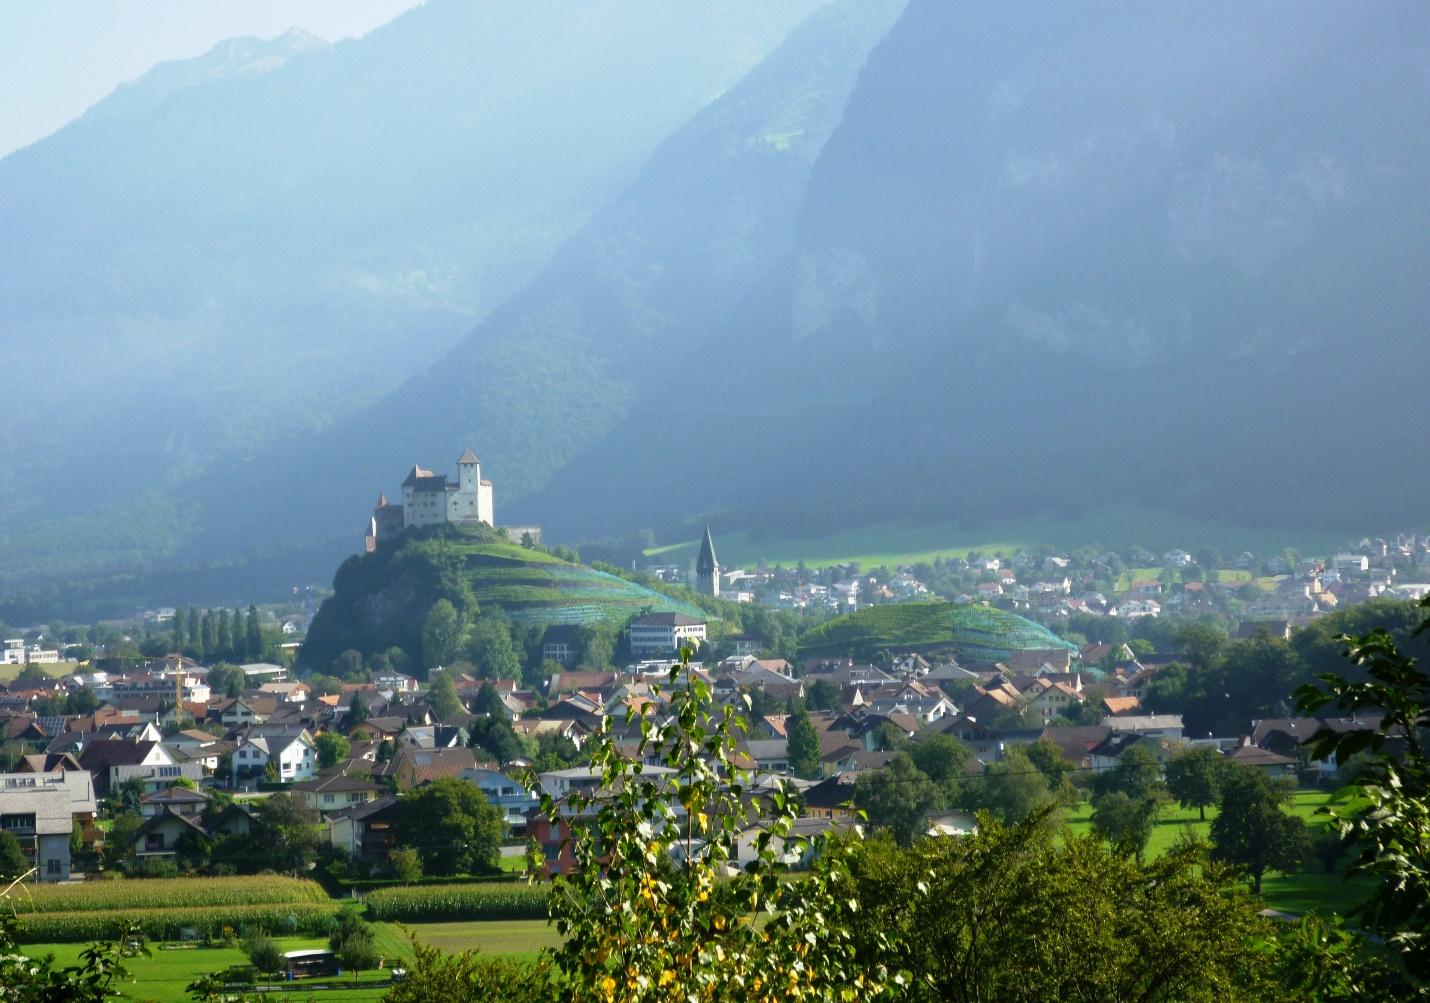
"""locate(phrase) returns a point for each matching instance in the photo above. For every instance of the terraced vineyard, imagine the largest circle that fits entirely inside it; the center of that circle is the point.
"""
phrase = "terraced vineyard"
(381, 599)
(976, 633)
(537, 589)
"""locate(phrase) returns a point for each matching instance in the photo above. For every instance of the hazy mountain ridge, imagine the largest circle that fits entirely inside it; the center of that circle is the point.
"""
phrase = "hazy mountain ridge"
(245, 259)
(1023, 287)
(616, 313)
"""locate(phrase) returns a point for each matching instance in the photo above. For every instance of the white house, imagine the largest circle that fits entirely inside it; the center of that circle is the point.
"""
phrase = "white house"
(664, 633)
(293, 751)
(39, 810)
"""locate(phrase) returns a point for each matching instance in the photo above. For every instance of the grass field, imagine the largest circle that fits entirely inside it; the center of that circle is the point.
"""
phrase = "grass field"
(1310, 890)
(893, 544)
(163, 976)
(54, 669)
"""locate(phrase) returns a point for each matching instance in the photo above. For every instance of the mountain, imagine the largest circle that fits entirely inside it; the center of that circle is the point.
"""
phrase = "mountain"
(240, 249)
(553, 369)
(1066, 258)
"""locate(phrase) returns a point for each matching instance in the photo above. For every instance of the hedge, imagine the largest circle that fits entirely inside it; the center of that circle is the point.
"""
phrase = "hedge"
(167, 924)
(421, 903)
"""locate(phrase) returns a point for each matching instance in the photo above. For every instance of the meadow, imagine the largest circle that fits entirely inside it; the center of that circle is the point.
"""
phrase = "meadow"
(164, 975)
(893, 544)
(1312, 889)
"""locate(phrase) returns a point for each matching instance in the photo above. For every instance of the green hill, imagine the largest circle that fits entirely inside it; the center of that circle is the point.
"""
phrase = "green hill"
(976, 633)
(381, 599)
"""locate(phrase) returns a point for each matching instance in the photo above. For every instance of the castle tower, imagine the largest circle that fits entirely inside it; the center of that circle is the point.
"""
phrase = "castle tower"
(707, 569)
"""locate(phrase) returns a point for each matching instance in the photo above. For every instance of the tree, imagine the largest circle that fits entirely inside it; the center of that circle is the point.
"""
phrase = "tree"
(655, 909)
(1013, 789)
(442, 634)
(452, 826)
(1027, 913)
(1047, 757)
(899, 797)
(405, 863)
(349, 665)
(351, 940)
(290, 831)
(804, 747)
(943, 759)
(13, 861)
(357, 711)
(492, 650)
(119, 840)
(1137, 774)
(332, 749)
(598, 645)
(263, 953)
(1194, 778)
(488, 701)
(497, 737)
(226, 680)
(1387, 806)
(223, 636)
(180, 637)
(442, 695)
(253, 634)
(81, 700)
(1252, 830)
(1125, 822)
(821, 695)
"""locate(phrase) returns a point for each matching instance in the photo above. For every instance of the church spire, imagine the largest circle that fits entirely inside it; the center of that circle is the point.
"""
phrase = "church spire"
(707, 568)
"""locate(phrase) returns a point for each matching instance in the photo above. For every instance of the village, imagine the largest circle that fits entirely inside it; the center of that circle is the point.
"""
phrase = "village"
(189, 762)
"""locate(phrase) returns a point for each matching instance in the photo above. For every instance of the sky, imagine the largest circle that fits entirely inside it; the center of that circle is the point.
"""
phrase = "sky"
(59, 57)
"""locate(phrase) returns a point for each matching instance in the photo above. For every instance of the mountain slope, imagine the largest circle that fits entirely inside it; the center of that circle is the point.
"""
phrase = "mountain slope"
(240, 249)
(1075, 257)
(654, 273)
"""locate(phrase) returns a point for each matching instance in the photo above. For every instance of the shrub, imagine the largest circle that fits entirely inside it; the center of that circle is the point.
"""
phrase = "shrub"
(264, 954)
(406, 863)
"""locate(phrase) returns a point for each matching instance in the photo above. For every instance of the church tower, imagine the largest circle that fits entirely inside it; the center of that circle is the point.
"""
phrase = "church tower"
(707, 569)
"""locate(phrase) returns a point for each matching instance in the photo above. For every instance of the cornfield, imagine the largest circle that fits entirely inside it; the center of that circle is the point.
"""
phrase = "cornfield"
(419, 903)
(171, 924)
(162, 893)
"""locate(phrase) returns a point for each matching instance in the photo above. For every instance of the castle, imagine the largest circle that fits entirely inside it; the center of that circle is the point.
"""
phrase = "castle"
(429, 498)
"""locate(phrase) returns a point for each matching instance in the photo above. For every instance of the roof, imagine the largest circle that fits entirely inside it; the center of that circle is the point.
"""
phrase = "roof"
(467, 457)
(104, 753)
(706, 564)
(666, 620)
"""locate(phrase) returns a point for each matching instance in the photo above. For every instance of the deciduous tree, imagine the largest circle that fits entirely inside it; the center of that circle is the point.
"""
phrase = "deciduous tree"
(1253, 830)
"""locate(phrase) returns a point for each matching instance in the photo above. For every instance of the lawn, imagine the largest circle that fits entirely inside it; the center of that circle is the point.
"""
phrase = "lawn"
(52, 669)
(893, 544)
(1312, 889)
(164, 975)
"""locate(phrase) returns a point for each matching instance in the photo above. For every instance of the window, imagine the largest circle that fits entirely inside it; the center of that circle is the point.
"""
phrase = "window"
(53, 867)
(327, 799)
(11, 823)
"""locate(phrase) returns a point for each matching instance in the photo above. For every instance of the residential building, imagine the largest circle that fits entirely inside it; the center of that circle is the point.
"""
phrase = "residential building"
(664, 633)
(40, 809)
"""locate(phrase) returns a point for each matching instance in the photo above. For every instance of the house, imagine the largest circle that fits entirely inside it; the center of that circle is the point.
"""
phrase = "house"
(178, 800)
(561, 643)
(411, 767)
(163, 835)
(293, 751)
(831, 798)
(1263, 760)
(364, 831)
(664, 633)
(336, 791)
(506, 794)
(1164, 726)
(112, 761)
(40, 810)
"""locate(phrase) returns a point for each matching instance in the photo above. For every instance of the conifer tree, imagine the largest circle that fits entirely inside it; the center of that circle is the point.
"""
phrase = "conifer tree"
(254, 634)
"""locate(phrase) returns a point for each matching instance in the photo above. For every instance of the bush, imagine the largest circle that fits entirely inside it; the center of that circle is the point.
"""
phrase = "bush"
(263, 953)
(421, 903)
(405, 863)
